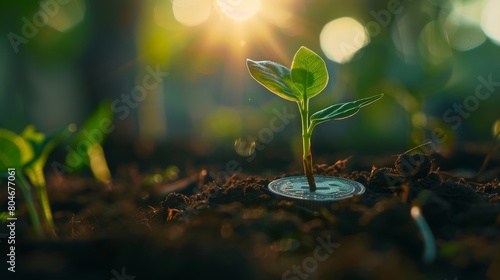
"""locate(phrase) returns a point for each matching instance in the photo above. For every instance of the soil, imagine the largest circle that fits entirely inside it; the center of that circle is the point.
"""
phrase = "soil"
(232, 228)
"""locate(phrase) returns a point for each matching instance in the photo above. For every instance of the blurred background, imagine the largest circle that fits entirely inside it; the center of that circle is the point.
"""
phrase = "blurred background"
(173, 74)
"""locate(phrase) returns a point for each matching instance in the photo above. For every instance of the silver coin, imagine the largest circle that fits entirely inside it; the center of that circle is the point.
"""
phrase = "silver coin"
(327, 188)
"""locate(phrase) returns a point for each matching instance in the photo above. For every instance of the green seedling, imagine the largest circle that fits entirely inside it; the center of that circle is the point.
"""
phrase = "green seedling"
(27, 153)
(86, 146)
(307, 77)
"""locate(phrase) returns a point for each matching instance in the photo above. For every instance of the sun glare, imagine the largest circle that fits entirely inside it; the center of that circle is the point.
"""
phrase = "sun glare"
(191, 12)
(237, 24)
(239, 9)
(226, 31)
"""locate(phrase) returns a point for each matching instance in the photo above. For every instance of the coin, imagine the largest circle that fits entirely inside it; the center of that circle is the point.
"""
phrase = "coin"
(327, 188)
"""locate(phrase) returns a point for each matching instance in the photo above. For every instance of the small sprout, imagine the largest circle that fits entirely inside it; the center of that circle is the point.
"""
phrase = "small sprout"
(430, 244)
(86, 146)
(307, 77)
(28, 152)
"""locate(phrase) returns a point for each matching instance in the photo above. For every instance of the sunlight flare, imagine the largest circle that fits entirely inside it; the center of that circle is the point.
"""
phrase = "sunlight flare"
(191, 12)
(239, 9)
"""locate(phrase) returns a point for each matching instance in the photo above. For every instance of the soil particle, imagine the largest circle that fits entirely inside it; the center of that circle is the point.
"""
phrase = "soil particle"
(459, 195)
(175, 200)
(416, 166)
(392, 224)
(436, 211)
(249, 191)
(431, 181)
(173, 204)
(480, 215)
(384, 180)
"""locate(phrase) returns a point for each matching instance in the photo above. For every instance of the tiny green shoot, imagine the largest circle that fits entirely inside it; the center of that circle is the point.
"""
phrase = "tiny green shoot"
(86, 145)
(306, 78)
(28, 152)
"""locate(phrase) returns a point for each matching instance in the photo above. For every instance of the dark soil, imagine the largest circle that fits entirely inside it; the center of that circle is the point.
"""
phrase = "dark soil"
(233, 228)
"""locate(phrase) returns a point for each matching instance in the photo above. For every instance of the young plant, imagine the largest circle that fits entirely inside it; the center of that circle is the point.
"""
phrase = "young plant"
(307, 77)
(27, 154)
(86, 146)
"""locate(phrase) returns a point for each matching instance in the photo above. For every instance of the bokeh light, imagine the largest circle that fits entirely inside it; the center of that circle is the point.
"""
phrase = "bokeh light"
(433, 44)
(244, 147)
(63, 17)
(490, 20)
(462, 25)
(191, 12)
(239, 9)
(341, 38)
(469, 11)
(417, 55)
(462, 33)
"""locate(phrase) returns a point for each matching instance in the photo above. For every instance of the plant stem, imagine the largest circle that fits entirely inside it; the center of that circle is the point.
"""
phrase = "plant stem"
(25, 189)
(47, 212)
(306, 145)
(41, 187)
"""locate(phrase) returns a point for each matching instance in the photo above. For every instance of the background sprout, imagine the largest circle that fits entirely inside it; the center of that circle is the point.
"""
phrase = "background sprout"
(28, 153)
(86, 145)
(307, 77)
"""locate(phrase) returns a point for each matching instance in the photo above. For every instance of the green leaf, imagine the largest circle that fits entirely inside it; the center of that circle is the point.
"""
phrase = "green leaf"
(309, 74)
(93, 132)
(4, 216)
(342, 110)
(275, 77)
(14, 150)
(42, 145)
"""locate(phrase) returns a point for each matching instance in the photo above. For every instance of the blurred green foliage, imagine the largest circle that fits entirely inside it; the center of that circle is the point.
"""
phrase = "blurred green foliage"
(426, 56)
